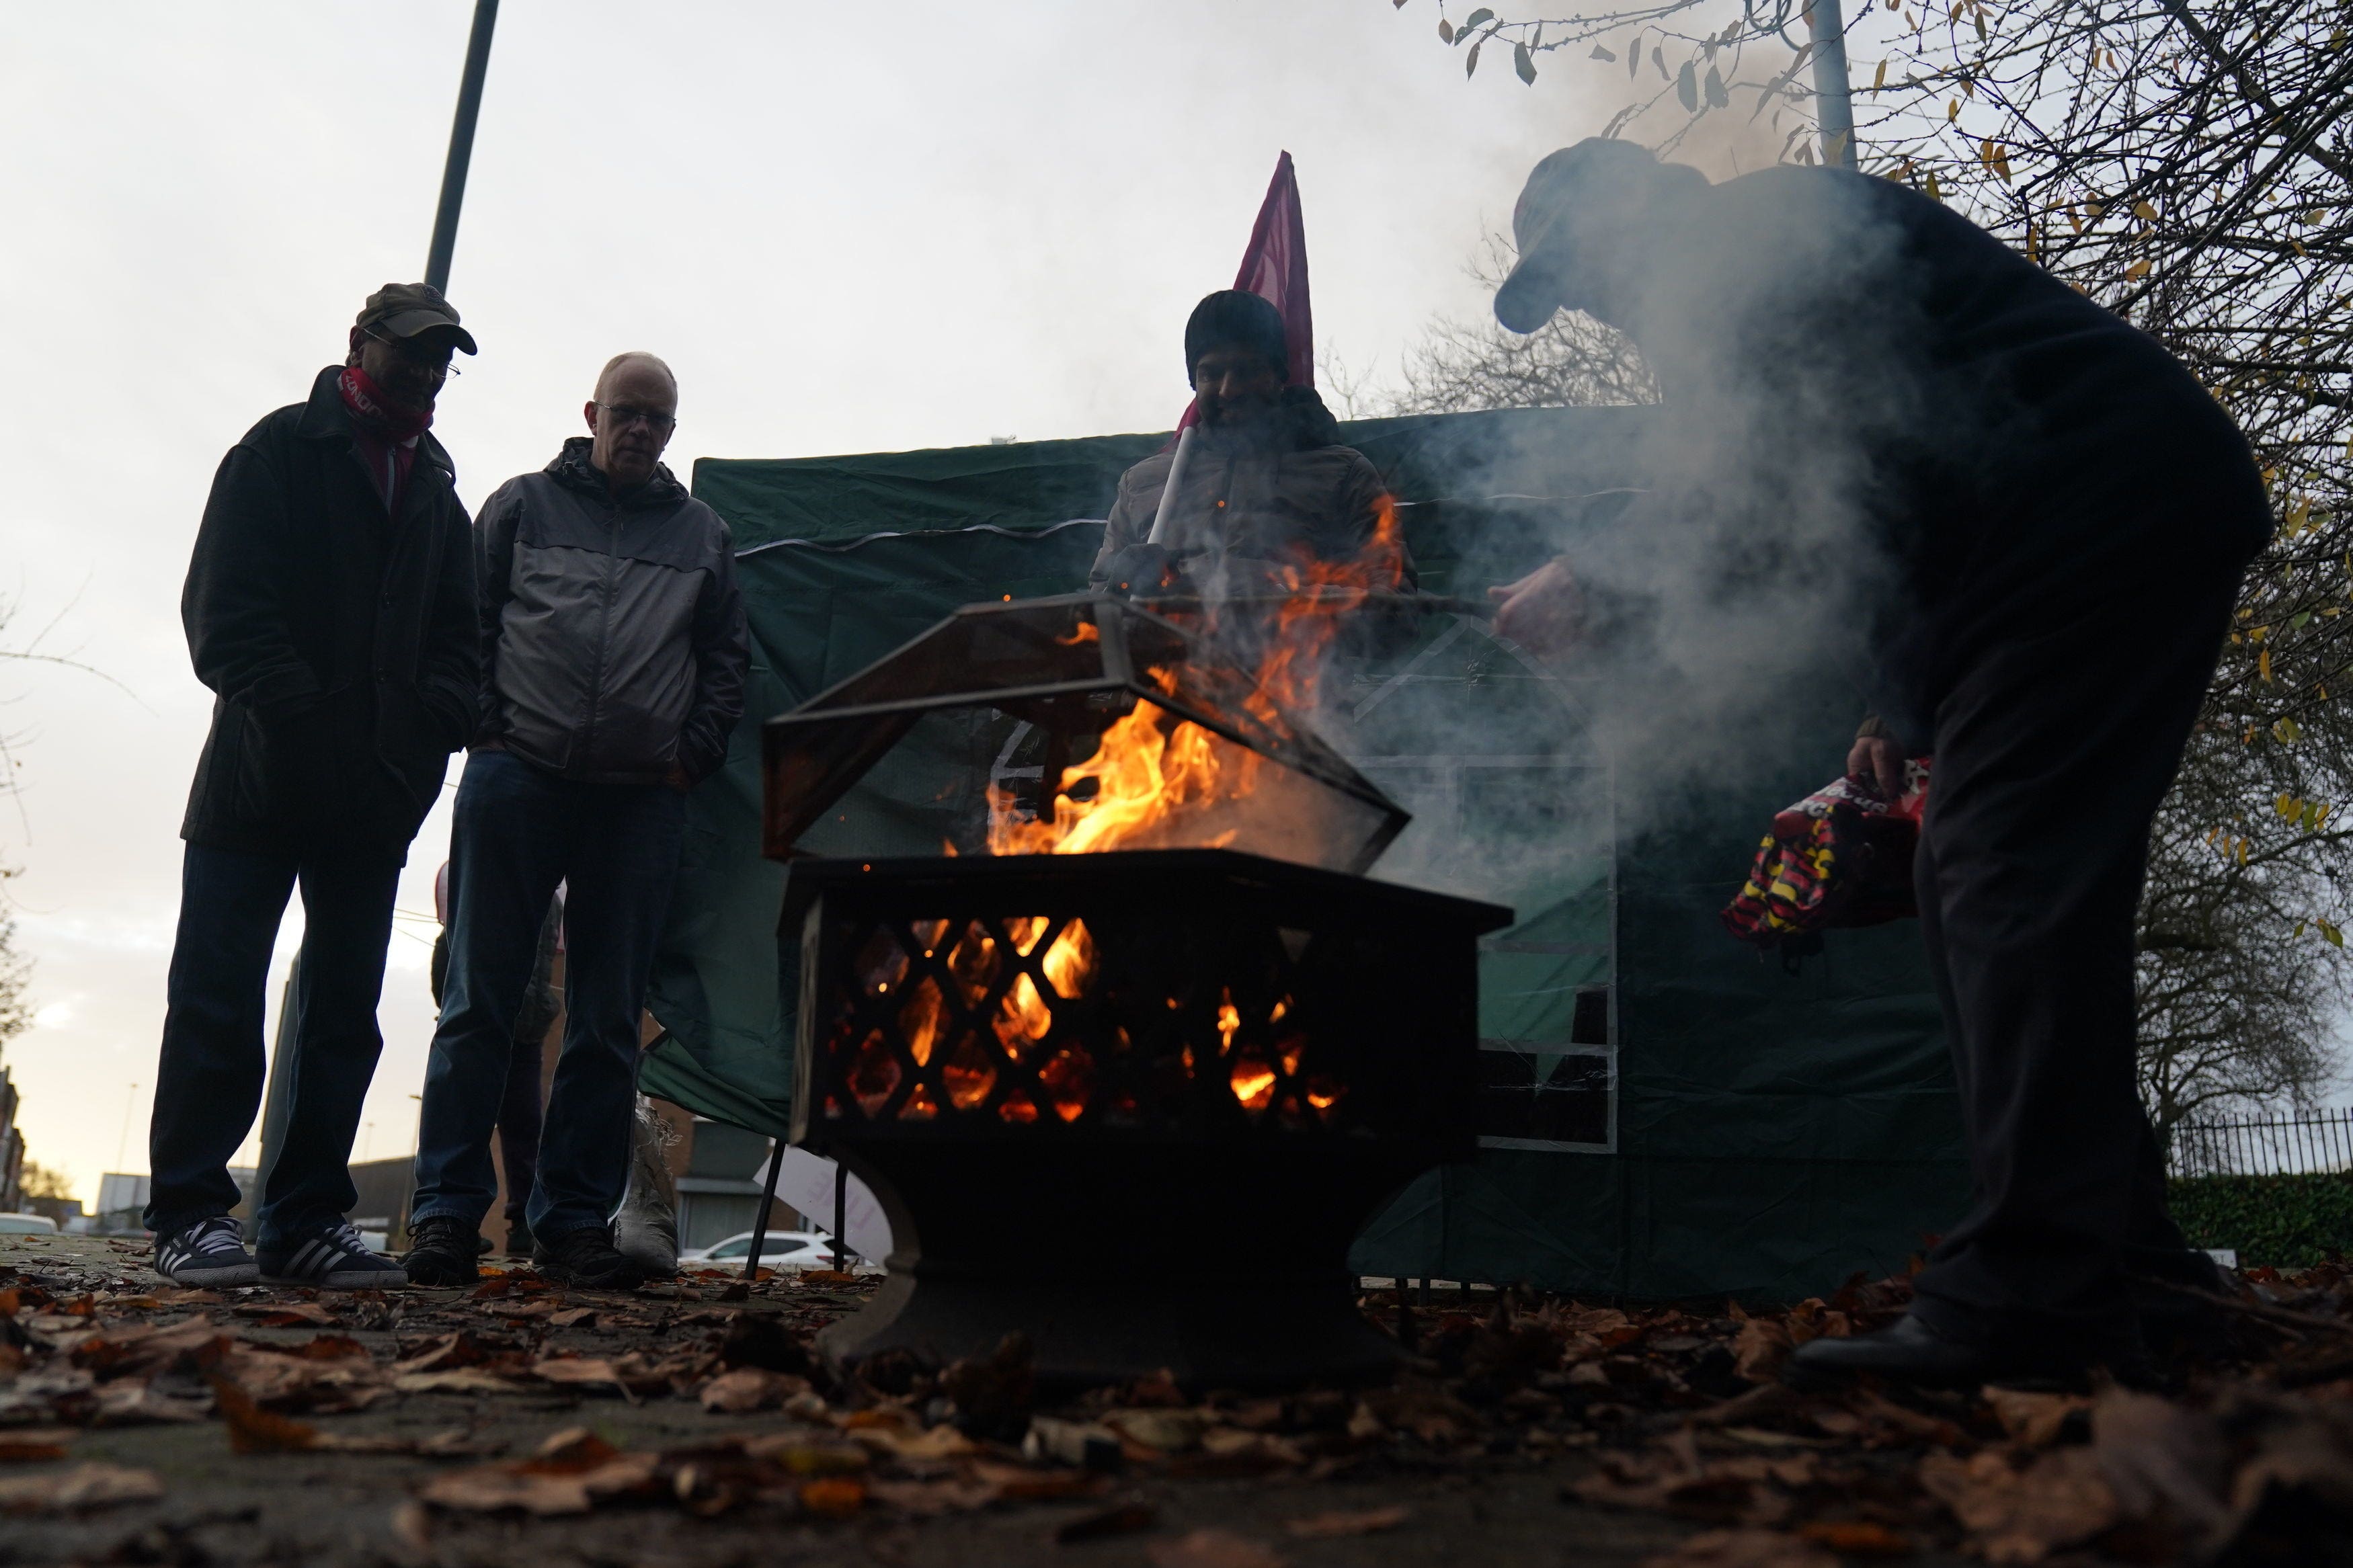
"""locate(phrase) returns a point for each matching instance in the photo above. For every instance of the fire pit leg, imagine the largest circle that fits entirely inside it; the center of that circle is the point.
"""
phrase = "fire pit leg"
(767, 1202)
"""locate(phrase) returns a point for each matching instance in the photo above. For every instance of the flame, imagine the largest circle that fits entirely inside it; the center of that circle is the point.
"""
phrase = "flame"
(1151, 771)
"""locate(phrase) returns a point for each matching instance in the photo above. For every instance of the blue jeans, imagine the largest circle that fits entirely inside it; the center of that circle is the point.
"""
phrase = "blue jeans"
(519, 831)
(209, 1081)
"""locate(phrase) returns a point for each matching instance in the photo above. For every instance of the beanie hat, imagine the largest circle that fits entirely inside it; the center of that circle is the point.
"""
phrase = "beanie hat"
(1235, 318)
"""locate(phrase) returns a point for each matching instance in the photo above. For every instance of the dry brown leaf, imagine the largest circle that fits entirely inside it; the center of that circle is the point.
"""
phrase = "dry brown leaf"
(2033, 1418)
(2158, 1457)
(86, 1486)
(835, 1496)
(28, 1445)
(573, 1317)
(457, 1380)
(2023, 1516)
(1212, 1549)
(253, 1430)
(1743, 1549)
(445, 1353)
(331, 1347)
(940, 1443)
(1760, 1349)
(576, 1372)
(1019, 1485)
(1169, 1431)
(573, 1471)
(286, 1314)
(1325, 1526)
(749, 1388)
(124, 1402)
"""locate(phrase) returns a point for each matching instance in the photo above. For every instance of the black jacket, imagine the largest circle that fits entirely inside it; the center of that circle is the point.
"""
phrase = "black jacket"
(339, 641)
(612, 634)
(1834, 346)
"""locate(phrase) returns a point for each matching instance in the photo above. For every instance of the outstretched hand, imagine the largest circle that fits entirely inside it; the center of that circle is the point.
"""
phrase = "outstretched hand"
(1544, 612)
(1880, 760)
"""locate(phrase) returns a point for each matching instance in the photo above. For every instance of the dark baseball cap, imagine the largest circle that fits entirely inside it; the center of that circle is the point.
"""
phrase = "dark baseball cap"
(405, 310)
(1609, 179)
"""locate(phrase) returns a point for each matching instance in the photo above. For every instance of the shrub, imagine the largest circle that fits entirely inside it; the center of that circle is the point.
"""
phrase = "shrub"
(2286, 1222)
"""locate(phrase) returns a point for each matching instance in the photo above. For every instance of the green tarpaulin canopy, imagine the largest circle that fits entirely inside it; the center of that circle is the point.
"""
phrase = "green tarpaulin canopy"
(1663, 1114)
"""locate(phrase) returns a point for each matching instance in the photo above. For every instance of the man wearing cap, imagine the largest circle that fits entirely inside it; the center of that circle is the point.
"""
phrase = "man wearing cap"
(613, 654)
(330, 606)
(1267, 488)
(1878, 416)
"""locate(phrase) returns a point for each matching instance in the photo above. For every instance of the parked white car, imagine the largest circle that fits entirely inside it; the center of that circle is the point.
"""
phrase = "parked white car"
(42, 1224)
(783, 1249)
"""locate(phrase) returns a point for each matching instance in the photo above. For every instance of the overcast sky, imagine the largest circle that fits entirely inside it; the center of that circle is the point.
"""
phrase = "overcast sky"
(849, 229)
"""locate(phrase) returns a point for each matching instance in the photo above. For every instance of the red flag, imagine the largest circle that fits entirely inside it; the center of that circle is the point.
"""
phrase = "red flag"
(1274, 266)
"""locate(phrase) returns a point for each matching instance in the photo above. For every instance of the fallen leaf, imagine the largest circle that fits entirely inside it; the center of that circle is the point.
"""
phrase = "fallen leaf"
(1760, 1349)
(331, 1347)
(1325, 1526)
(2032, 1418)
(2023, 1516)
(1169, 1431)
(749, 1388)
(287, 1315)
(803, 1458)
(573, 1317)
(576, 1372)
(1212, 1549)
(836, 1496)
(253, 1430)
(1120, 1518)
(459, 1380)
(1743, 1549)
(86, 1486)
(26, 1444)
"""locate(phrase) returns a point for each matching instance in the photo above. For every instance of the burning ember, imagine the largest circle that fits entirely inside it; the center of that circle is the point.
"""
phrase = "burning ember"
(1159, 781)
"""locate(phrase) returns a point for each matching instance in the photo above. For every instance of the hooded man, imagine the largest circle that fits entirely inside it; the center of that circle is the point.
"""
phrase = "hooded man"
(330, 606)
(2038, 521)
(1267, 488)
(612, 657)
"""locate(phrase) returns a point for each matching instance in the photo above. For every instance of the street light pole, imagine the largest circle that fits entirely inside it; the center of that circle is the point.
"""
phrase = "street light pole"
(1833, 96)
(462, 144)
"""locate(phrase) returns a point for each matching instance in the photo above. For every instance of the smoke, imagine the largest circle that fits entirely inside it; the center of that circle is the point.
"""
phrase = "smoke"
(1735, 599)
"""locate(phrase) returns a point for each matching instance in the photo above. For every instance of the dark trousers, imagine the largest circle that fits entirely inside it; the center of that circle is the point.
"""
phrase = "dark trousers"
(520, 1108)
(209, 1081)
(2053, 748)
(520, 830)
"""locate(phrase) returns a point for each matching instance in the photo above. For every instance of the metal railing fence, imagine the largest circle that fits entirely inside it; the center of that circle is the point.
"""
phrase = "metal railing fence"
(2312, 1142)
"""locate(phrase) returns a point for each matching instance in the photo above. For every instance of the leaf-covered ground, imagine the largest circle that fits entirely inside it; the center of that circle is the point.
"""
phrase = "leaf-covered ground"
(516, 1425)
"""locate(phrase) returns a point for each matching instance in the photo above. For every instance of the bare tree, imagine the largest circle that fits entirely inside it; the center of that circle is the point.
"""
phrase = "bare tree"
(2192, 171)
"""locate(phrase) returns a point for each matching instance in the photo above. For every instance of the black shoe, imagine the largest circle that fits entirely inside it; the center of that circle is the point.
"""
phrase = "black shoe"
(334, 1259)
(587, 1257)
(1913, 1351)
(519, 1238)
(442, 1251)
(206, 1254)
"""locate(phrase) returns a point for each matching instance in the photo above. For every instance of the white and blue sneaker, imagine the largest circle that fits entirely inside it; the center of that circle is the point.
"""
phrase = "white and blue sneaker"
(207, 1253)
(333, 1260)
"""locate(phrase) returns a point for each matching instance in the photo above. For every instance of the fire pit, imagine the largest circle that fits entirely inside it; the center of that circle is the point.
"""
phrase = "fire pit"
(1133, 1103)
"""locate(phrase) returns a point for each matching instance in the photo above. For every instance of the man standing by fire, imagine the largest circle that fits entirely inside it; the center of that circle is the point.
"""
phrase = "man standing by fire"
(1887, 419)
(613, 659)
(1263, 486)
(330, 606)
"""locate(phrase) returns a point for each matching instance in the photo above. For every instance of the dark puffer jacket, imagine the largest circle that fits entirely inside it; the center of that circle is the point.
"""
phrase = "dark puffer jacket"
(612, 634)
(339, 641)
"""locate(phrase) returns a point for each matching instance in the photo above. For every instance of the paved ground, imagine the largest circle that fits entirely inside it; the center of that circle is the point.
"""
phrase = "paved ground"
(514, 1425)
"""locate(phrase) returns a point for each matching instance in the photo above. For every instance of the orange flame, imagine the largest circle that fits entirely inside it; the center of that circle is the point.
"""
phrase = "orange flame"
(1151, 771)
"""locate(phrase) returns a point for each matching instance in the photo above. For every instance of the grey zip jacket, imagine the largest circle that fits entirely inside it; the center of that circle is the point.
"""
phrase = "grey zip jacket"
(612, 634)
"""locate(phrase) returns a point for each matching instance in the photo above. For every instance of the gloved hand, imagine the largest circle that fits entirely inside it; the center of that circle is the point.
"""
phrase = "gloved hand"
(1140, 569)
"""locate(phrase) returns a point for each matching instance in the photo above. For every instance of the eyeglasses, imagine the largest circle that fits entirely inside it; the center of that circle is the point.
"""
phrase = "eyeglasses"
(424, 359)
(627, 413)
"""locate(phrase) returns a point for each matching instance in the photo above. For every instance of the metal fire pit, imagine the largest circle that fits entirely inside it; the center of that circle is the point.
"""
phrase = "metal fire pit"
(1135, 1105)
